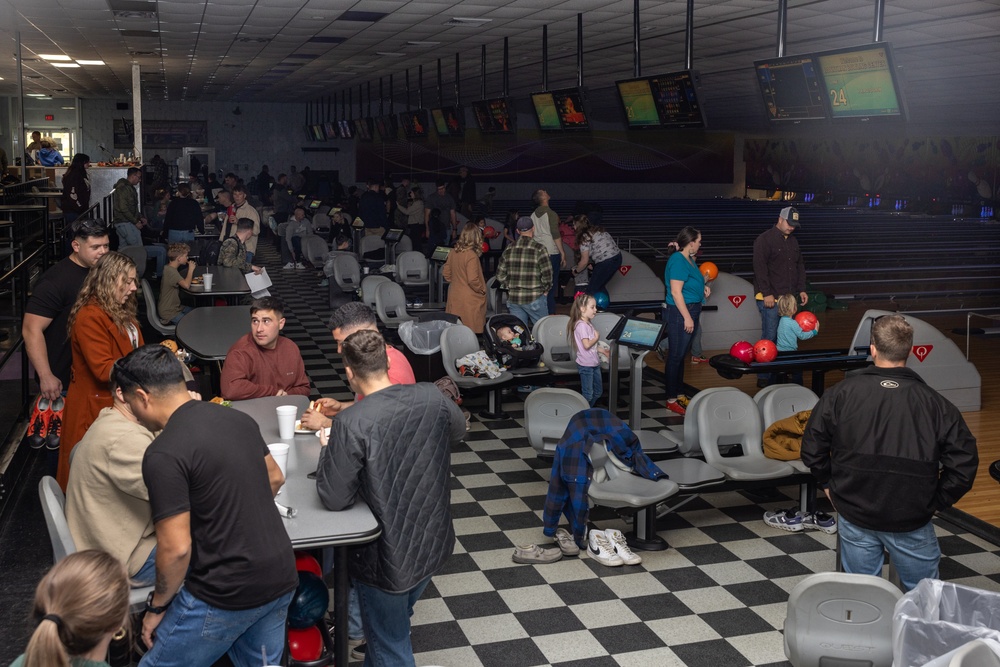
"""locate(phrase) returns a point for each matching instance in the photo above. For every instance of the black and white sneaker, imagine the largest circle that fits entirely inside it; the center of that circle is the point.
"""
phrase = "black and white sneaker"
(601, 549)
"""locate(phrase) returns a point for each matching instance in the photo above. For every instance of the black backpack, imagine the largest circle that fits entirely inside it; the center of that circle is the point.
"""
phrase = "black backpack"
(209, 255)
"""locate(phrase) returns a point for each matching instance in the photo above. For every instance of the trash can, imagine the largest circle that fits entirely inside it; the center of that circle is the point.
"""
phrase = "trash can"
(937, 617)
(422, 348)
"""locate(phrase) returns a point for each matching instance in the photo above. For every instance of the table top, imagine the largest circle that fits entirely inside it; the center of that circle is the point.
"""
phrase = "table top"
(313, 525)
(23, 207)
(209, 332)
(227, 281)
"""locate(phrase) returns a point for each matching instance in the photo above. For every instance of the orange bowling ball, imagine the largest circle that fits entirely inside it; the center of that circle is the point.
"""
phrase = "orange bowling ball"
(709, 270)
(764, 351)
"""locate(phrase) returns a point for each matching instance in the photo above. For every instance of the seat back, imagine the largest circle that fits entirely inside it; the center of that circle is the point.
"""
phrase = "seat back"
(321, 223)
(138, 255)
(315, 249)
(496, 298)
(368, 286)
(456, 342)
(54, 510)
(547, 412)
(783, 400)
(691, 446)
(369, 243)
(412, 268)
(151, 313)
(730, 434)
(404, 244)
(347, 272)
(976, 653)
(557, 354)
(390, 304)
(841, 620)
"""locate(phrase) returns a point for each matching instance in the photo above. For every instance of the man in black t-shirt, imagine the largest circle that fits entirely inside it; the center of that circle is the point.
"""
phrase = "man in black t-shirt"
(440, 226)
(46, 338)
(211, 485)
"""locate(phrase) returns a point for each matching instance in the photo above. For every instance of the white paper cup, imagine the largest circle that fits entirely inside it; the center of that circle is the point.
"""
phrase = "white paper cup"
(208, 280)
(279, 452)
(286, 421)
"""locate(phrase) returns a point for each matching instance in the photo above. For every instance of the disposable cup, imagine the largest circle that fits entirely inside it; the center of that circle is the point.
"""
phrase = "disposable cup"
(286, 421)
(208, 280)
(279, 452)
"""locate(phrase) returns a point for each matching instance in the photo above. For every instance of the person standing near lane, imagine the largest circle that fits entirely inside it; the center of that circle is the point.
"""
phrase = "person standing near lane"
(525, 271)
(547, 233)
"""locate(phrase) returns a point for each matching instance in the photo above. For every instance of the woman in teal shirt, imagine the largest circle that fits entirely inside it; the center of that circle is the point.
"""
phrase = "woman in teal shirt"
(80, 604)
(686, 289)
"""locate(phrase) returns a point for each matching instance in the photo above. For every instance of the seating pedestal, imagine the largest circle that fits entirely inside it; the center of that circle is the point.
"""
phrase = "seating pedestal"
(644, 537)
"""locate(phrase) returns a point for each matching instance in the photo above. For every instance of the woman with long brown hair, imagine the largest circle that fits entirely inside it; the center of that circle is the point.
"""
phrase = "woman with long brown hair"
(463, 270)
(80, 605)
(102, 329)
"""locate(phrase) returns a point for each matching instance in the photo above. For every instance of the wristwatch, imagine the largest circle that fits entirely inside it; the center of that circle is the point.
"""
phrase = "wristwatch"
(156, 610)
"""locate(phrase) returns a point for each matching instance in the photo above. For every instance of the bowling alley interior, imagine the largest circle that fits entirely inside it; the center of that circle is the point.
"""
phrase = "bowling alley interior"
(865, 132)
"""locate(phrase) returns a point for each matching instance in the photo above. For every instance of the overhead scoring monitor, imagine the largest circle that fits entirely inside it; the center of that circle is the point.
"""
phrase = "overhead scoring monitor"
(860, 82)
(791, 88)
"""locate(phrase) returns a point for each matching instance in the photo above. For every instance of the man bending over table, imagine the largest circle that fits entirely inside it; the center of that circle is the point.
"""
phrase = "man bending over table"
(346, 320)
(264, 363)
(392, 450)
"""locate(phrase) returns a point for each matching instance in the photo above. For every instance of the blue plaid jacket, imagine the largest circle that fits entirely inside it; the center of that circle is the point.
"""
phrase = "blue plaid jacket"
(571, 469)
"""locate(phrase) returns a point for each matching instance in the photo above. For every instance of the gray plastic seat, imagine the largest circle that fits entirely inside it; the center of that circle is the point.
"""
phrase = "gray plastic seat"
(151, 313)
(840, 619)
(557, 352)
(412, 270)
(780, 401)
(458, 341)
(686, 435)
(496, 298)
(54, 510)
(975, 653)
(730, 421)
(347, 272)
(315, 249)
(404, 244)
(390, 305)
(368, 286)
(138, 254)
(547, 411)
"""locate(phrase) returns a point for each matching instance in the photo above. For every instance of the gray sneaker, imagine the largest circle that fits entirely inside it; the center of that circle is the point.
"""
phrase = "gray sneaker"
(532, 554)
(358, 648)
(566, 543)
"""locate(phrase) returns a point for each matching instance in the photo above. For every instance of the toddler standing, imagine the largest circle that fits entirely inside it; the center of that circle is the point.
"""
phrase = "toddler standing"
(789, 331)
(585, 339)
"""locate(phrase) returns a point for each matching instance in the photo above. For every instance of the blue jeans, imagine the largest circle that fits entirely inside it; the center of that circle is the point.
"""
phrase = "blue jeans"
(180, 236)
(529, 313)
(696, 350)
(146, 576)
(193, 633)
(679, 342)
(590, 383)
(915, 554)
(550, 301)
(603, 272)
(386, 617)
(177, 318)
(768, 330)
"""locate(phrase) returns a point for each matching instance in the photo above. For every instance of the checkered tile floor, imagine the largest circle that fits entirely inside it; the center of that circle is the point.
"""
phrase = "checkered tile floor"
(715, 598)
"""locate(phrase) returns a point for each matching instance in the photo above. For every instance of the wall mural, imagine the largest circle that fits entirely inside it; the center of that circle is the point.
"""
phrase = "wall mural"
(534, 157)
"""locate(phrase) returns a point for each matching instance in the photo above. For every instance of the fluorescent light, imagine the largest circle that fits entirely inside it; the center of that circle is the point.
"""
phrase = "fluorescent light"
(390, 54)
(35, 94)
(68, 108)
(51, 56)
(90, 62)
(423, 43)
(65, 65)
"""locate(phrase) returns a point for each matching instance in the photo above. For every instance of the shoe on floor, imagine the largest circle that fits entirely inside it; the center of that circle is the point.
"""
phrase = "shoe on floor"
(683, 400)
(699, 360)
(534, 554)
(299, 265)
(601, 549)
(617, 540)
(676, 407)
(566, 543)
(820, 521)
(358, 648)
(290, 265)
(324, 283)
(790, 520)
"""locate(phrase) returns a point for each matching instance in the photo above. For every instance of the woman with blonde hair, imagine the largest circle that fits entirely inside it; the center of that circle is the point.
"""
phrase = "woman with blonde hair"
(102, 329)
(467, 293)
(80, 605)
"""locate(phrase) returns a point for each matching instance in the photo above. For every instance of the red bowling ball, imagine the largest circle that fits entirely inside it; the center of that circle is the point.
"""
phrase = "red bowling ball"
(306, 563)
(486, 246)
(806, 320)
(305, 644)
(743, 351)
(764, 351)
(491, 232)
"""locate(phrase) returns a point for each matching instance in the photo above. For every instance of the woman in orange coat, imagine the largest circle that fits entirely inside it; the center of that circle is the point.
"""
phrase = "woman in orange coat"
(102, 329)
(467, 293)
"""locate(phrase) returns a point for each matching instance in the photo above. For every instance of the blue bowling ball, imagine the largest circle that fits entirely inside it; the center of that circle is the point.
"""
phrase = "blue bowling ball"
(602, 299)
(310, 602)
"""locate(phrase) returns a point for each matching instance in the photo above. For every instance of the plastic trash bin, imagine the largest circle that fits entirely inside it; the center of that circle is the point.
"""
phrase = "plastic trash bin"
(937, 617)
(422, 348)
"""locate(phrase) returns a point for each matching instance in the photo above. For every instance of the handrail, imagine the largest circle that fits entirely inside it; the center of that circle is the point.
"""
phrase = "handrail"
(656, 251)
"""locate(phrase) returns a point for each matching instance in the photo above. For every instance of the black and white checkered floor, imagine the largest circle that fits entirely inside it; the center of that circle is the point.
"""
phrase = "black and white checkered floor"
(716, 598)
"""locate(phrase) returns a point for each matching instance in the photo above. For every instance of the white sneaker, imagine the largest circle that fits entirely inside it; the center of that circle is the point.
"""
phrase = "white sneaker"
(299, 265)
(290, 265)
(601, 550)
(621, 548)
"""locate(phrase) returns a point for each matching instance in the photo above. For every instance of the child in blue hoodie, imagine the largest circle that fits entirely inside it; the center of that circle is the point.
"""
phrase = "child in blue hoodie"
(789, 331)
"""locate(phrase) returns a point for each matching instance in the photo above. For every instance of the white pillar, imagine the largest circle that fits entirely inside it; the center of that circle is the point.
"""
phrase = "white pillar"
(137, 111)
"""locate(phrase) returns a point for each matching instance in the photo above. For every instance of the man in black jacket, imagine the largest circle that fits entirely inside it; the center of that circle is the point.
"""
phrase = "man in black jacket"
(393, 450)
(892, 452)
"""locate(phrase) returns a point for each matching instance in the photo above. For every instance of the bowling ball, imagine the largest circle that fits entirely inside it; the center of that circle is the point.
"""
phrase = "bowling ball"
(806, 320)
(491, 232)
(764, 351)
(743, 351)
(602, 299)
(306, 563)
(305, 644)
(310, 602)
(486, 246)
(709, 270)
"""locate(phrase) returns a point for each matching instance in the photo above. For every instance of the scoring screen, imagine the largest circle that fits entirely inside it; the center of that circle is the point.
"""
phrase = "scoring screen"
(860, 83)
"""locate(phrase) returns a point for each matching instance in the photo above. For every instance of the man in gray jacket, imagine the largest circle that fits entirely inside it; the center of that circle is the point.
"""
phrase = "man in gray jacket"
(393, 450)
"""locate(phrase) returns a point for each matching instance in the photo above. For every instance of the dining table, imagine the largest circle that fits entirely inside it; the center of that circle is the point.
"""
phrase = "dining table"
(227, 282)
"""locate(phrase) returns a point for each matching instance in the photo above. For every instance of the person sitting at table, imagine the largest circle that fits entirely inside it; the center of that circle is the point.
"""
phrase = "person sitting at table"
(169, 305)
(264, 363)
(107, 504)
(393, 451)
(346, 320)
(211, 483)
(233, 252)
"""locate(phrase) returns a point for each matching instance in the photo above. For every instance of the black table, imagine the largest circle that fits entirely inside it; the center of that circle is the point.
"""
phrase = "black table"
(314, 526)
(228, 282)
(209, 332)
(817, 361)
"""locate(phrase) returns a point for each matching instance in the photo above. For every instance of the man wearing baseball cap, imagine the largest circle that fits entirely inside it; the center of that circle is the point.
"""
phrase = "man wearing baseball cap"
(525, 271)
(777, 270)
